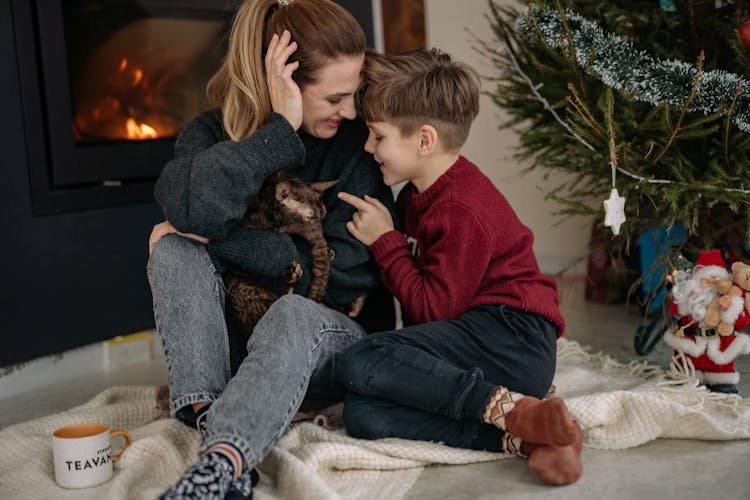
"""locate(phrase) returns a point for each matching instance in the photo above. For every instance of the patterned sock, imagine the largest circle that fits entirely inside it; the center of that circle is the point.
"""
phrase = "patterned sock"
(511, 444)
(210, 478)
(500, 403)
(242, 488)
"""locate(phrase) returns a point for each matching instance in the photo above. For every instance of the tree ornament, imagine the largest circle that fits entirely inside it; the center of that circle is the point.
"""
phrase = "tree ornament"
(681, 263)
(744, 32)
(614, 206)
(614, 211)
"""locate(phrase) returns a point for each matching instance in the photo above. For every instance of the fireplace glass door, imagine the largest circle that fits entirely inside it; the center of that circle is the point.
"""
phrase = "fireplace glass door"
(115, 82)
(135, 76)
(137, 72)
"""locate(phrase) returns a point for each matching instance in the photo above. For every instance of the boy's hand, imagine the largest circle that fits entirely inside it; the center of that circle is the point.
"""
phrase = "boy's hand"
(371, 220)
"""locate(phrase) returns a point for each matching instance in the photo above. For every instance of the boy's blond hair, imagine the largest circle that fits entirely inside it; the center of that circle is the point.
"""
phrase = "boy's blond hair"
(423, 87)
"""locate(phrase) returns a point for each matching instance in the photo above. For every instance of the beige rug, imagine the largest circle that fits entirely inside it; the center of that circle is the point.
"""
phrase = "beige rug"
(618, 405)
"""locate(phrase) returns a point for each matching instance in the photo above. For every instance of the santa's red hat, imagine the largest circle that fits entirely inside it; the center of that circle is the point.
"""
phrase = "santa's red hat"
(712, 258)
(710, 265)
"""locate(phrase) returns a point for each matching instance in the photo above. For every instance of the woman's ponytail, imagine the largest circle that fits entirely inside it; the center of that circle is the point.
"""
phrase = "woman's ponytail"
(239, 87)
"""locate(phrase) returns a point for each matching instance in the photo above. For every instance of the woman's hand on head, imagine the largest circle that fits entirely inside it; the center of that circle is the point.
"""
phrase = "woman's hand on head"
(371, 220)
(164, 228)
(286, 97)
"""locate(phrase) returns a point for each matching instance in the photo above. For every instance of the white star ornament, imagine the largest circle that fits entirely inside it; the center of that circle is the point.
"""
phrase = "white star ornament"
(614, 211)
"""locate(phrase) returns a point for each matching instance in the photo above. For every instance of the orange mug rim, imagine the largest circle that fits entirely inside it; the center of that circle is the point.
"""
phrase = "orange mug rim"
(78, 431)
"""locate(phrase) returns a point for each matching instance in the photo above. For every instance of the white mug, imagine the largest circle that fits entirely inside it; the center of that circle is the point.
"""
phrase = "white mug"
(83, 454)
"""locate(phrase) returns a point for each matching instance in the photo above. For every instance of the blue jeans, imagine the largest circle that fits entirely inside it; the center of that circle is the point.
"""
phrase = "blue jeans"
(431, 382)
(292, 351)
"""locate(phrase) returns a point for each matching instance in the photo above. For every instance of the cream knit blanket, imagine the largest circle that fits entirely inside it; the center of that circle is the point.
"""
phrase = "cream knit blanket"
(618, 406)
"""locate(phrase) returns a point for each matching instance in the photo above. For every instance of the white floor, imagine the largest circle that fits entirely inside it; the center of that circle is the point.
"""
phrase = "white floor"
(662, 469)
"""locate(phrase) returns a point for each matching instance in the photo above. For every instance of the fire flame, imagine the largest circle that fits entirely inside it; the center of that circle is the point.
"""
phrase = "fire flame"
(125, 111)
(137, 130)
(135, 73)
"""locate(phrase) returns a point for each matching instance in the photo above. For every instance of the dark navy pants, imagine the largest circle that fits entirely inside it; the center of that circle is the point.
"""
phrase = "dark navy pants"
(432, 381)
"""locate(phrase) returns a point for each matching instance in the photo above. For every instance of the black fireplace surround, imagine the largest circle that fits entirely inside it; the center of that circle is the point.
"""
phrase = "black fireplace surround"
(76, 211)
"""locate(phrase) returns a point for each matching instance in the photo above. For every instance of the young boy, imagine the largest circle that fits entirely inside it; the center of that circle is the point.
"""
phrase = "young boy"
(478, 352)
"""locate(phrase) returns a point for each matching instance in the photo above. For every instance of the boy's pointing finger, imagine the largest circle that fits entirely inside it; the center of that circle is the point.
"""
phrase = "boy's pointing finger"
(376, 203)
(352, 200)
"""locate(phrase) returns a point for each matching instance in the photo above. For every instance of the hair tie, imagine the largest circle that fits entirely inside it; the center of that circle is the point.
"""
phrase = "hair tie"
(283, 3)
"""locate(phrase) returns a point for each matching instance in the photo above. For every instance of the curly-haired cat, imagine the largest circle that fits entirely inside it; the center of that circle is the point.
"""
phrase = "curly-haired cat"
(290, 206)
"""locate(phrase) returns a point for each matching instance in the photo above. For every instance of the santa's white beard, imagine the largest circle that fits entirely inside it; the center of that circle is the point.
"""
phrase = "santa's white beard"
(692, 299)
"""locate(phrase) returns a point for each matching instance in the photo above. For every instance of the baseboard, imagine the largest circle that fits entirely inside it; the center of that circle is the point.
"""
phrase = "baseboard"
(555, 265)
(113, 354)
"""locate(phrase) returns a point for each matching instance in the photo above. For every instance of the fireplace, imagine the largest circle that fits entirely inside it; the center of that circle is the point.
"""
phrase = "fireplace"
(107, 85)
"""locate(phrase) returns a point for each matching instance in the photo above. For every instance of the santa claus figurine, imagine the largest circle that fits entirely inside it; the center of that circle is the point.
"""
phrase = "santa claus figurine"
(712, 355)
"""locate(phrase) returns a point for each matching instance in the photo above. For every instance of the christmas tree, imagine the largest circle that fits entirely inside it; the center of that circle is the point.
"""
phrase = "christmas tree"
(651, 98)
(645, 106)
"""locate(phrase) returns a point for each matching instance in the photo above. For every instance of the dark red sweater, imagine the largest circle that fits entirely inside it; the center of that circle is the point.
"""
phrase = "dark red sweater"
(463, 247)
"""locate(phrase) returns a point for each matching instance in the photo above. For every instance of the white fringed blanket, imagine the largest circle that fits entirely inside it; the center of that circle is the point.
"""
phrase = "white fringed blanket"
(618, 406)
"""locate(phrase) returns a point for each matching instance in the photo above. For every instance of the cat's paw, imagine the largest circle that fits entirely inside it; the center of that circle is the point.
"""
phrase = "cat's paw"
(292, 275)
(357, 305)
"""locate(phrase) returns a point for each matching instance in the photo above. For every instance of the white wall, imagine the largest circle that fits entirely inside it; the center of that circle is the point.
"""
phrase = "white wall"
(492, 149)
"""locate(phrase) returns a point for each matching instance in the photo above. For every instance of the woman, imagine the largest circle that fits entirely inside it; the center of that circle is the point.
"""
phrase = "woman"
(286, 98)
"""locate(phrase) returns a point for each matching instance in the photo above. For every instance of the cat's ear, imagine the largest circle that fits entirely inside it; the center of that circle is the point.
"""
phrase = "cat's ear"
(322, 186)
(282, 190)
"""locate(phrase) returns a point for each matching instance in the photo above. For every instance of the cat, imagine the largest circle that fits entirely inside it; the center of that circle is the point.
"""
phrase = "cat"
(286, 205)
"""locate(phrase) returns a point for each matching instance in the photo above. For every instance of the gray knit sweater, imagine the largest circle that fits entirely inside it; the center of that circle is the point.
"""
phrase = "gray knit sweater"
(206, 189)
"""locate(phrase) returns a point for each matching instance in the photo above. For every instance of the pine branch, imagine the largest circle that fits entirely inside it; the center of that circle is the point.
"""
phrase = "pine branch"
(685, 107)
(728, 126)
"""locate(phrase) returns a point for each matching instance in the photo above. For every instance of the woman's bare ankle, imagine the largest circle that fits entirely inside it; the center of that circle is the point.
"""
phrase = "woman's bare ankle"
(198, 406)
